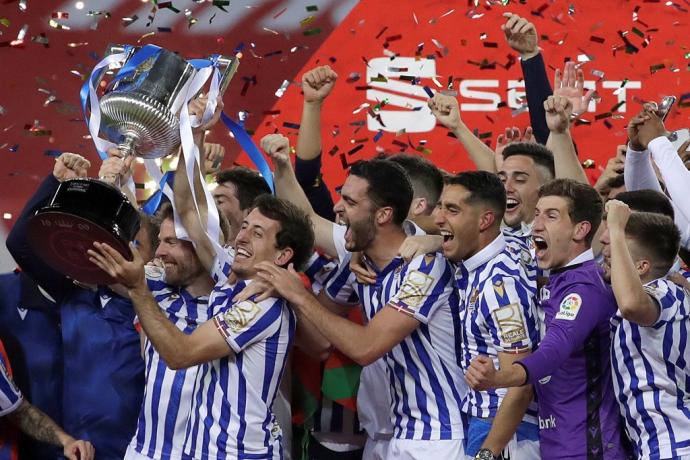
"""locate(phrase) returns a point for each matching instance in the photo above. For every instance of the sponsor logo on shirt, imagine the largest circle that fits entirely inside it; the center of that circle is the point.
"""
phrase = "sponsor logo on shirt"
(241, 315)
(511, 326)
(570, 305)
(414, 288)
(547, 423)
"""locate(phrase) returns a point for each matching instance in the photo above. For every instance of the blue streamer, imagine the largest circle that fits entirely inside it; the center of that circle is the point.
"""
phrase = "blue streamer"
(154, 202)
(252, 150)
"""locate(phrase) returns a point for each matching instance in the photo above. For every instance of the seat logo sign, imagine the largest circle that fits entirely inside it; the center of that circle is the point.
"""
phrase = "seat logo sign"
(396, 89)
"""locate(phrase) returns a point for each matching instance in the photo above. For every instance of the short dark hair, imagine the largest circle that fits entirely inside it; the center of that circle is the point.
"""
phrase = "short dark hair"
(296, 231)
(647, 201)
(427, 180)
(538, 153)
(389, 185)
(584, 203)
(248, 184)
(657, 237)
(484, 187)
(152, 228)
(615, 182)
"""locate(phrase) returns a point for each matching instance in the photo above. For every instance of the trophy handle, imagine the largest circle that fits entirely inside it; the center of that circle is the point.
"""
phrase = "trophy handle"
(229, 65)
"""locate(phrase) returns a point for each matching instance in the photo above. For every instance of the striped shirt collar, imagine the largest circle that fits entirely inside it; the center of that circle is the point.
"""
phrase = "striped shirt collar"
(486, 254)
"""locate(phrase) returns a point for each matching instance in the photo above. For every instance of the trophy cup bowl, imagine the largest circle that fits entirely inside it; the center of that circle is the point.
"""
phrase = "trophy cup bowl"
(139, 113)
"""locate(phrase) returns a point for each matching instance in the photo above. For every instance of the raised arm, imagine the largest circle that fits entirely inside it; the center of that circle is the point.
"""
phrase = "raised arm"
(194, 221)
(277, 147)
(633, 301)
(67, 166)
(558, 112)
(316, 86)
(522, 37)
(447, 112)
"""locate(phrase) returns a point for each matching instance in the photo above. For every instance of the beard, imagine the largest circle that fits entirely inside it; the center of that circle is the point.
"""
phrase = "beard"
(363, 233)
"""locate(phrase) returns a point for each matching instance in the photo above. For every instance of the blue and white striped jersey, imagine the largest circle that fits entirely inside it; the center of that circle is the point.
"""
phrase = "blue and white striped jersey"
(652, 376)
(10, 396)
(231, 407)
(426, 387)
(168, 394)
(497, 314)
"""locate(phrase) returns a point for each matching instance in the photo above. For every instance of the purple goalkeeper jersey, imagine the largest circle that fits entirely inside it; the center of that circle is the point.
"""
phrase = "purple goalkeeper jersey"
(571, 370)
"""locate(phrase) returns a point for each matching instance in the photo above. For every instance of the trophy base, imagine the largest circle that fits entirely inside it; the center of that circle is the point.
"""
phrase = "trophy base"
(82, 212)
(62, 240)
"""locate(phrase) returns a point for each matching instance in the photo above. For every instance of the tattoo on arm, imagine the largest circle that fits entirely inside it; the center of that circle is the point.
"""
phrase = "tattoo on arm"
(35, 423)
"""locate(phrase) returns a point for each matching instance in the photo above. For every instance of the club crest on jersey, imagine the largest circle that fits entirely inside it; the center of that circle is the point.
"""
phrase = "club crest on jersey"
(414, 288)
(511, 325)
(241, 315)
(570, 305)
(498, 288)
(473, 299)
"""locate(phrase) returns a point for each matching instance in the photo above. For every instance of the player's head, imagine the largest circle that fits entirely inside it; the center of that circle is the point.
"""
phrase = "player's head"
(237, 189)
(469, 213)
(182, 265)
(427, 183)
(146, 238)
(525, 168)
(377, 193)
(645, 201)
(566, 218)
(653, 241)
(275, 231)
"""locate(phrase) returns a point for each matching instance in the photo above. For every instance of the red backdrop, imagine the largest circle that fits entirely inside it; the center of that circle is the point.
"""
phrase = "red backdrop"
(284, 38)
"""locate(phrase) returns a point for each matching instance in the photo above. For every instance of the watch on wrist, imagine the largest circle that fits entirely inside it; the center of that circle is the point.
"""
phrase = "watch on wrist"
(485, 454)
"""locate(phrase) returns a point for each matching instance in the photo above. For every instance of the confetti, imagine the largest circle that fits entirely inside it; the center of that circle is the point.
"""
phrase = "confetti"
(210, 21)
(311, 8)
(356, 149)
(279, 13)
(333, 151)
(306, 21)
(283, 87)
(379, 79)
(596, 39)
(22, 5)
(59, 15)
(656, 67)
(381, 32)
(5, 22)
(19, 41)
(274, 32)
(128, 21)
(146, 35)
(313, 31)
(41, 39)
(428, 91)
(52, 153)
(353, 77)
(56, 25)
(164, 29)
(378, 135)
(221, 4)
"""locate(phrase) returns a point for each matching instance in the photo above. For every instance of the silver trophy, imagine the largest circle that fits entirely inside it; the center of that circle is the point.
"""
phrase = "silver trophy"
(139, 113)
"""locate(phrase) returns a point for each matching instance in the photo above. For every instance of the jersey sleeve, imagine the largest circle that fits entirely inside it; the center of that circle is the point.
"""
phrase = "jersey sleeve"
(579, 312)
(669, 299)
(340, 287)
(427, 285)
(507, 307)
(247, 322)
(10, 396)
